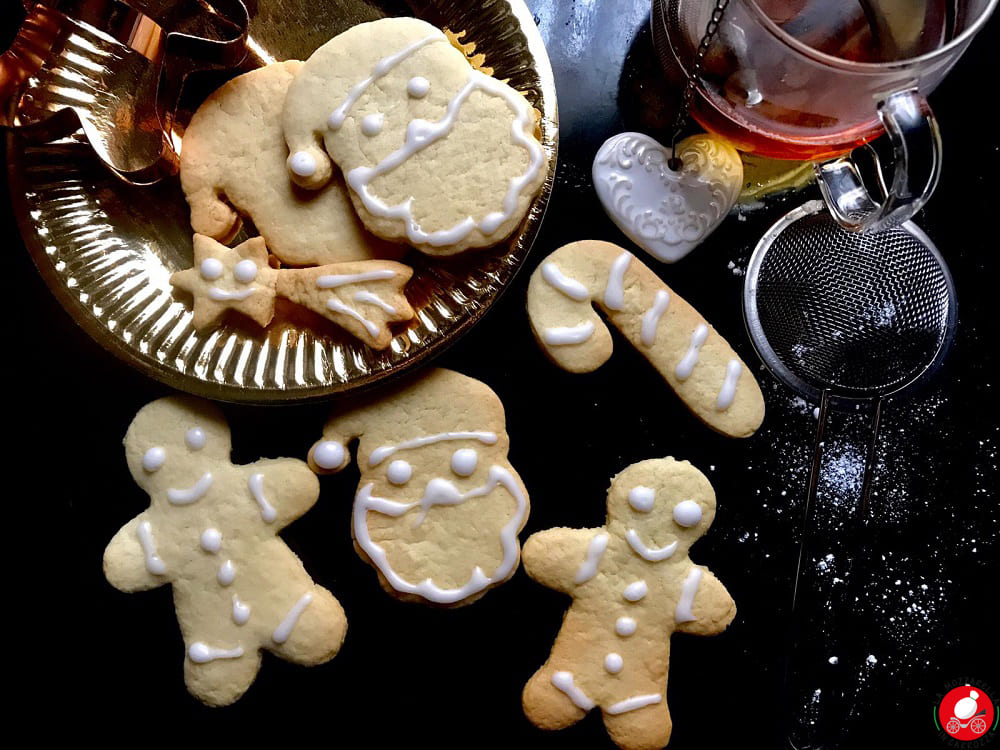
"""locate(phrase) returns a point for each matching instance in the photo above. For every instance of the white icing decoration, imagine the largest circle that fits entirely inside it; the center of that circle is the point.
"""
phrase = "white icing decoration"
(284, 630)
(337, 117)
(426, 588)
(564, 682)
(568, 335)
(728, 391)
(191, 494)
(256, 485)
(614, 663)
(221, 295)
(329, 454)
(666, 212)
(335, 305)
(625, 626)
(399, 472)
(635, 591)
(381, 453)
(687, 513)
(373, 299)
(642, 498)
(211, 269)
(195, 439)
(421, 133)
(241, 611)
(651, 319)
(201, 653)
(614, 292)
(689, 590)
(652, 554)
(686, 366)
(595, 551)
(417, 87)
(154, 564)
(245, 271)
(211, 540)
(631, 704)
(302, 163)
(227, 573)
(371, 125)
(464, 461)
(334, 280)
(555, 278)
(154, 458)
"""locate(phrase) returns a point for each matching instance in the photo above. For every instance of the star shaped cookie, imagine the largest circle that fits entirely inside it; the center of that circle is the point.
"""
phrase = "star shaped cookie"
(224, 278)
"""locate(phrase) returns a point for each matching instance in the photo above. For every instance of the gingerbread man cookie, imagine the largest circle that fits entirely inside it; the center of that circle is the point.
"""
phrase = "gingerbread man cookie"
(211, 532)
(233, 163)
(436, 152)
(633, 585)
(439, 506)
(697, 363)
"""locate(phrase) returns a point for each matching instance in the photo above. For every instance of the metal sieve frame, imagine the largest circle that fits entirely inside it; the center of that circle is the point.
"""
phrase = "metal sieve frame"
(774, 363)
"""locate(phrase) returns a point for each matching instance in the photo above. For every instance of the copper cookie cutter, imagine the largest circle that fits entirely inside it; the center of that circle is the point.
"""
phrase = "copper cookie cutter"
(114, 69)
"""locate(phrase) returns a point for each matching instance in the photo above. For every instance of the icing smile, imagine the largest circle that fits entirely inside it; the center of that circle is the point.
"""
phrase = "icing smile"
(191, 494)
(653, 554)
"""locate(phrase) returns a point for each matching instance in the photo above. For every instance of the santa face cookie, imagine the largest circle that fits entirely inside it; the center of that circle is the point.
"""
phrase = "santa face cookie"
(233, 163)
(439, 506)
(211, 532)
(436, 153)
(694, 360)
(633, 585)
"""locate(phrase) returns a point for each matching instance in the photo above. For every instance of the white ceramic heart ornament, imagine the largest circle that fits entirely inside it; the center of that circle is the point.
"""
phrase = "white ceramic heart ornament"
(665, 212)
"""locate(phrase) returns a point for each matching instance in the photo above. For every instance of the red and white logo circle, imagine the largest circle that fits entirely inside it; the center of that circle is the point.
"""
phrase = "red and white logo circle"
(966, 713)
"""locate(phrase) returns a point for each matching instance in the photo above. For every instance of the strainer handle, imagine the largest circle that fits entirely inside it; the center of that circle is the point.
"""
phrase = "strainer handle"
(916, 142)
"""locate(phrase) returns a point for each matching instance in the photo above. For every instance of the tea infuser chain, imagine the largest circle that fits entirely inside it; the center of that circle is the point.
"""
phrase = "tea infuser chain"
(687, 97)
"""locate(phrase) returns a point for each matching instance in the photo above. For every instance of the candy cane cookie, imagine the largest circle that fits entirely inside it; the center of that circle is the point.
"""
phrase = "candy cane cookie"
(692, 357)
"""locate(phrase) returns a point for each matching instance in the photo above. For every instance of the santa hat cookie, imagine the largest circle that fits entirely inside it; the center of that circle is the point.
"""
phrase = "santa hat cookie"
(439, 506)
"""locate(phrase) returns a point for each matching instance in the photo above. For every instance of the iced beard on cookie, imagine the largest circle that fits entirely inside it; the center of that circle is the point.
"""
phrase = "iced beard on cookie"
(439, 506)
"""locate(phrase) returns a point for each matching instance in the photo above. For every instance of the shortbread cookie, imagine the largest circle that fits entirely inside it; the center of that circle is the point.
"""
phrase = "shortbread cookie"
(225, 278)
(211, 532)
(633, 585)
(694, 360)
(362, 298)
(437, 153)
(233, 163)
(439, 506)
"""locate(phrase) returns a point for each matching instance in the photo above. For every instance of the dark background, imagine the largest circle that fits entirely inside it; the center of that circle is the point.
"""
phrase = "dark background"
(99, 662)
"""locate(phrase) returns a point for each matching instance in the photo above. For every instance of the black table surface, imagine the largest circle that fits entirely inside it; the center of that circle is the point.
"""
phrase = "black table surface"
(101, 661)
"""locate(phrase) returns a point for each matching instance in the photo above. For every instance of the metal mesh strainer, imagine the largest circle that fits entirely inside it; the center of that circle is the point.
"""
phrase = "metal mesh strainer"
(841, 317)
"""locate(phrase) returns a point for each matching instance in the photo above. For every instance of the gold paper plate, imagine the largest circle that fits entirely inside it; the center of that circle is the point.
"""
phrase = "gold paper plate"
(107, 249)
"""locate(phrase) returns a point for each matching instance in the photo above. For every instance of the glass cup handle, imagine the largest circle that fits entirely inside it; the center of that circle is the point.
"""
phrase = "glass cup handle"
(916, 142)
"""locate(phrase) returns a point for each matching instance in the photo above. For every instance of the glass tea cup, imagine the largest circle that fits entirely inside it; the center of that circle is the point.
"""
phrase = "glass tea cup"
(814, 79)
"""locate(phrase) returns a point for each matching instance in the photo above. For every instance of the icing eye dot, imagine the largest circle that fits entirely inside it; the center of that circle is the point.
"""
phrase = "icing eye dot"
(372, 124)
(195, 438)
(464, 461)
(211, 540)
(302, 163)
(211, 269)
(641, 498)
(687, 513)
(154, 458)
(329, 454)
(245, 271)
(417, 87)
(399, 472)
